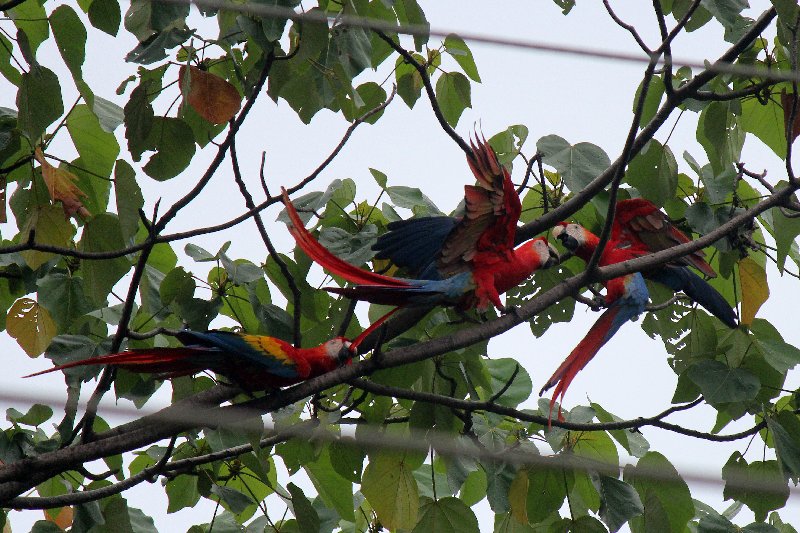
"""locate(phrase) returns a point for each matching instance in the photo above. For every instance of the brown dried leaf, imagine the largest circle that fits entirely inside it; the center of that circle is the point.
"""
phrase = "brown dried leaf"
(61, 186)
(62, 517)
(787, 100)
(210, 96)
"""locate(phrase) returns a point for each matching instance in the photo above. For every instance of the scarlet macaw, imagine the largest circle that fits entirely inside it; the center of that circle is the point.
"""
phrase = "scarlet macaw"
(626, 298)
(475, 260)
(253, 362)
(640, 225)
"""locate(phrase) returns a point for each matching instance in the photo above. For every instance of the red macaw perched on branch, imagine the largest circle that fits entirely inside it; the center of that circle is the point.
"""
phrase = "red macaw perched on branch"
(475, 258)
(253, 362)
(626, 297)
(640, 225)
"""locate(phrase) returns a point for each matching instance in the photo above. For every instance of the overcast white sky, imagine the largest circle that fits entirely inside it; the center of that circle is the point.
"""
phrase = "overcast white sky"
(579, 99)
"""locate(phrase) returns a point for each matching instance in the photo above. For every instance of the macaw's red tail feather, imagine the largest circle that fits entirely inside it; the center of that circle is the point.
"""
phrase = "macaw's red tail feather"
(580, 357)
(387, 295)
(373, 327)
(330, 262)
(154, 360)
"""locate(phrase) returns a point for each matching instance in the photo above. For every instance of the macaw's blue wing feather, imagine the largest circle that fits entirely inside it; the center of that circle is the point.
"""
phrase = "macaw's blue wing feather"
(414, 244)
(682, 279)
(269, 353)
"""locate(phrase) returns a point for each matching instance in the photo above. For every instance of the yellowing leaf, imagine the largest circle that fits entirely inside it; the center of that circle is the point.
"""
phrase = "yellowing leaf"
(62, 517)
(61, 186)
(50, 228)
(389, 486)
(31, 325)
(755, 289)
(518, 496)
(210, 96)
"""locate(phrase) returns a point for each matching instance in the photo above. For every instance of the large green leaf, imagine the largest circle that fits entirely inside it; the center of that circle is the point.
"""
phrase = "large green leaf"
(51, 228)
(173, 141)
(456, 47)
(453, 93)
(63, 295)
(335, 490)
(446, 515)
(38, 101)
(31, 18)
(667, 503)
(578, 164)
(760, 485)
(70, 37)
(519, 389)
(98, 148)
(722, 384)
(765, 121)
(619, 502)
(654, 172)
(547, 489)
(785, 430)
(102, 234)
(105, 15)
(388, 484)
(129, 199)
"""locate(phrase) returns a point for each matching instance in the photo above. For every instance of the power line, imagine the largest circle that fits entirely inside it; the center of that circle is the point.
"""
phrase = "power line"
(423, 30)
(448, 444)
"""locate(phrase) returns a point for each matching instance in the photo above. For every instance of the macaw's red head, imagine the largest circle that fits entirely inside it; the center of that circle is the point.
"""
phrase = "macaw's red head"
(546, 255)
(575, 237)
(340, 350)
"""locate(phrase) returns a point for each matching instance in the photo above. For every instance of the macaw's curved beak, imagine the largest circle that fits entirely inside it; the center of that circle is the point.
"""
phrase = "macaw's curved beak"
(347, 352)
(554, 258)
(569, 242)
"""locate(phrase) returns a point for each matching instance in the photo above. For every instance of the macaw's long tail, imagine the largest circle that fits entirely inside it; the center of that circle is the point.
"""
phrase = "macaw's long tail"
(602, 330)
(696, 288)
(173, 361)
(414, 244)
(330, 262)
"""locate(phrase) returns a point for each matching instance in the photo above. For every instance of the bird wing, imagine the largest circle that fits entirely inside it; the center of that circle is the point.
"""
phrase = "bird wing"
(277, 357)
(492, 210)
(641, 220)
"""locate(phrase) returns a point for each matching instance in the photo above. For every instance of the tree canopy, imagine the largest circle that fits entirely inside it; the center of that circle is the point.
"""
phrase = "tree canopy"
(428, 423)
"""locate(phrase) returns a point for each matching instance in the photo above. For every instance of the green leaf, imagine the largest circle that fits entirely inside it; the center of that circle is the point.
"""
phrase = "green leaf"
(578, 164)
(785, 429)
(234, 501)
(655, 92)
(785, 231)
(36, 415)
(412, 198)
(109, 114)
(335, 491)
(719, 132)
(306, 515)
(667, 502)
(388, 484)
(619, 502)
(354, 249)
(765, 121)
(596, 446)
(446, 515)
(102, 234)
(501, 371)
(6, 69)
(722, 384)
(409, 81)
(182, 492)
(453, 92)
(633, 441)
(547, 489)
(63, 296)
(98, 148)
(456, 47)
(173, 140)
(30, 18)
(38, 101)
(105, 15)
(140, 522)
(129, 199)
(654, 172)
(347, 461)
(139, 121)
(780, 355)
(759, 485)
(70, 35)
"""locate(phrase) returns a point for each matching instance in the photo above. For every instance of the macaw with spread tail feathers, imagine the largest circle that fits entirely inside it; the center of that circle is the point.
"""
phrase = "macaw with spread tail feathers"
(626, 298)
(475, 259)
(253, 362)
(640, 225)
